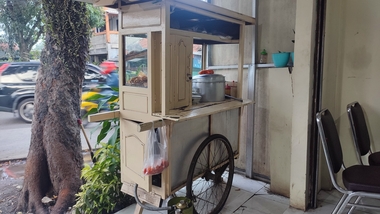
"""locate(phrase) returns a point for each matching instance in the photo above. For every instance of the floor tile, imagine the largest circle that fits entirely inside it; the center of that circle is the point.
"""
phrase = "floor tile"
(130, 210)
(292, 210)
(331, 197)
(264, 204)
(253, 197)
(322, 208)
(247, 184)
(236, 198)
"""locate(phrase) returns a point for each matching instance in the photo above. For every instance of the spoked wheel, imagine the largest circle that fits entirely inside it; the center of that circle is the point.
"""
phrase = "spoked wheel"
(210, 175)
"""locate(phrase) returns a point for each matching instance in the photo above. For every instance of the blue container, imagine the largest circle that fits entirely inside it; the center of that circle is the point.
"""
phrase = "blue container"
(280, 59)
(292, 56)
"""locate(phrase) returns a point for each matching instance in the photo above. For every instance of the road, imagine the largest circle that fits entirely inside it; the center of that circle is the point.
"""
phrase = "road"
(15, 136)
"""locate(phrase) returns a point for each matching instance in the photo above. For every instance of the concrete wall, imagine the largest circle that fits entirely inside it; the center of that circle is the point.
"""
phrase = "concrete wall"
(351, 70)
(273, 122)
(275, 27)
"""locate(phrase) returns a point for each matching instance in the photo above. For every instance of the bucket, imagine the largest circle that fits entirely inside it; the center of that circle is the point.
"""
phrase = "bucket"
(280, 59)
(180, 202)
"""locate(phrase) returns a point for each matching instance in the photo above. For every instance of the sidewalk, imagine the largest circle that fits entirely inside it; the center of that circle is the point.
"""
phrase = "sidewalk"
(15, 146)
(15, 168)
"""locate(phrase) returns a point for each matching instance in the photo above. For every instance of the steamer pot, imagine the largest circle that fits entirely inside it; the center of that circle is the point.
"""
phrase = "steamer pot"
(210, 87)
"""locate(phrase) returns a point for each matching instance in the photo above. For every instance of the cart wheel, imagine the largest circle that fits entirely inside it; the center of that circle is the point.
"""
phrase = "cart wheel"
(210, 175)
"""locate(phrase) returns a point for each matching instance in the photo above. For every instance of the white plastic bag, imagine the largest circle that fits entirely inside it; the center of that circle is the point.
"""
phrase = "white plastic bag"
(156, 154)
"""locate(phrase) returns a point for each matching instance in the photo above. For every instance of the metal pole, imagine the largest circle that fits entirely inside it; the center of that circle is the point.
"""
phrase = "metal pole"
(252, 96)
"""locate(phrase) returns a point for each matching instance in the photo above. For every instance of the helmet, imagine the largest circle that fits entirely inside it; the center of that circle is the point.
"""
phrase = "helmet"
(108, 67)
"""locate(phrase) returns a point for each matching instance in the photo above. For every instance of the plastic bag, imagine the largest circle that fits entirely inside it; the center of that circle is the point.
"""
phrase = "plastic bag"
(156, 154)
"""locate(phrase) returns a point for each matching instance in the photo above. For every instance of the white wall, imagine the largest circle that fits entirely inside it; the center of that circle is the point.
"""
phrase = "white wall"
(274, 103)
(351, 71)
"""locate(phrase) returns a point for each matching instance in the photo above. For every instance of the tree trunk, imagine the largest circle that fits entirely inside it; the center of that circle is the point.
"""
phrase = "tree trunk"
(55, 160)
(24, 51)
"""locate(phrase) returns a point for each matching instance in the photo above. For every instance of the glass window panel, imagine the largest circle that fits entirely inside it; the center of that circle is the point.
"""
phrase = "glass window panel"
(136, 60)
(197, 59)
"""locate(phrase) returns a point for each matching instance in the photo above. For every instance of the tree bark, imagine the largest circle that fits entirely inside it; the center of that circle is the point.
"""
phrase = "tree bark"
(55, 159)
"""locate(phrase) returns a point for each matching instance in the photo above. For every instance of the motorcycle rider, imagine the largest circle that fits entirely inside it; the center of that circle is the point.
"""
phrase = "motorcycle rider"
(110, 70)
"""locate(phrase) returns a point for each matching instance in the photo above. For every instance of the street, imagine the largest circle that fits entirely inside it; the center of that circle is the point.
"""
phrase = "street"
(15, 137)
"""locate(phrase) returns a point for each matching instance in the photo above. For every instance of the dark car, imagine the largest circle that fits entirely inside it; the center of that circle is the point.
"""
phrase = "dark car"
(17, 84)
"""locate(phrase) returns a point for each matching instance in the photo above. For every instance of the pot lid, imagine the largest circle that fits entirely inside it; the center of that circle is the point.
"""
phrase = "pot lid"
(208, 78)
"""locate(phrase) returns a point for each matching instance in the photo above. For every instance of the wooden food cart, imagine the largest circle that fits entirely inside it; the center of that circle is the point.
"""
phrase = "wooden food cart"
(156, 39)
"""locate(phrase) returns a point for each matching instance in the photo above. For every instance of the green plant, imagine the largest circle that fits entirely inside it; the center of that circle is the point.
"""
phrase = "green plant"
(101, 192)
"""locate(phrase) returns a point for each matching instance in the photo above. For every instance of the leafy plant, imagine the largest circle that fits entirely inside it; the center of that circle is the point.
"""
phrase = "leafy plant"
(101, 191)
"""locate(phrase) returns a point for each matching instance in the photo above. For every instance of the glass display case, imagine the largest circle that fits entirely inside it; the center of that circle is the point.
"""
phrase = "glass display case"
(136, 60)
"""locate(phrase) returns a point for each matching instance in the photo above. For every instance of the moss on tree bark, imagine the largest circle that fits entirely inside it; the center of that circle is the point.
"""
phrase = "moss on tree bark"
(55, 160)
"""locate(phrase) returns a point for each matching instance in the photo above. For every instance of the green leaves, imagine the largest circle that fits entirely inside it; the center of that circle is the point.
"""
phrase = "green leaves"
(96, 16)
(101, 191)
(22, 25)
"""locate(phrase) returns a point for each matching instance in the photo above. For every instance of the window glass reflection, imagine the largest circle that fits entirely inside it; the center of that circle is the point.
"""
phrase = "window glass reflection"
(136, 62)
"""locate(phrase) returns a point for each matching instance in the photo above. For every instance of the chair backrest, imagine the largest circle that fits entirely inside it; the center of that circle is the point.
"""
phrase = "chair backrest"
(330, 141)
(359, 128)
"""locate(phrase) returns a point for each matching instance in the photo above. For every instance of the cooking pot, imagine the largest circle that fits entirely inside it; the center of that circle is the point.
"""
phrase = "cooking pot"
(209, 86)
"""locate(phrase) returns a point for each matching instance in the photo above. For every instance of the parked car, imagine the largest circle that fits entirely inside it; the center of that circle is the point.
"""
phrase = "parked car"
(17, 84)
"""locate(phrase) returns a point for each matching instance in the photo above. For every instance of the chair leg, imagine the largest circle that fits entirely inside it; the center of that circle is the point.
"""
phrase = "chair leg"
(344, 204)
(339, 204)
(353, 207)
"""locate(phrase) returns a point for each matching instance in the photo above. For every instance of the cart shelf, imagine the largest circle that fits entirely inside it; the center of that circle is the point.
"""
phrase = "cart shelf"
(203, 109)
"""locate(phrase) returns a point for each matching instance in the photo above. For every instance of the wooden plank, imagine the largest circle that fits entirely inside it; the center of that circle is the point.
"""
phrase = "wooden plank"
(142, 18)
(147, 126)
(138, 209)
(138, 30)
(104, 116)
(202, 109)
(203, 36)
(141, 6)
(143, 195)
(165, 58)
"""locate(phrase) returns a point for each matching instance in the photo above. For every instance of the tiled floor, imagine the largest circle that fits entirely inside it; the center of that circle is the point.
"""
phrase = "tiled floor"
(253, 197)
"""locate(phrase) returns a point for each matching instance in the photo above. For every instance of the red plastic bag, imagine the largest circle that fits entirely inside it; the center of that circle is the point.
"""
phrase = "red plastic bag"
(156, 154)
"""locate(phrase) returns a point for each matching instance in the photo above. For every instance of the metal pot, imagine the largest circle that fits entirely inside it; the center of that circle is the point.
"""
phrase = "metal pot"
(210, 87)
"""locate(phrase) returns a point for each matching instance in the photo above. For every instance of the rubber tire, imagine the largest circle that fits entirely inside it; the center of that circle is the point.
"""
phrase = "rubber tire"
(231, 166)
(21, 110)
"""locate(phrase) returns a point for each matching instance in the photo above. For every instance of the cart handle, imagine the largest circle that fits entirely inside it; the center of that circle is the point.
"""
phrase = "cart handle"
(147, 207)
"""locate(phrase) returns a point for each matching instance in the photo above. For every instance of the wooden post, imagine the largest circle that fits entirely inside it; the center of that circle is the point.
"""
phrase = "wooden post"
(107, 28)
